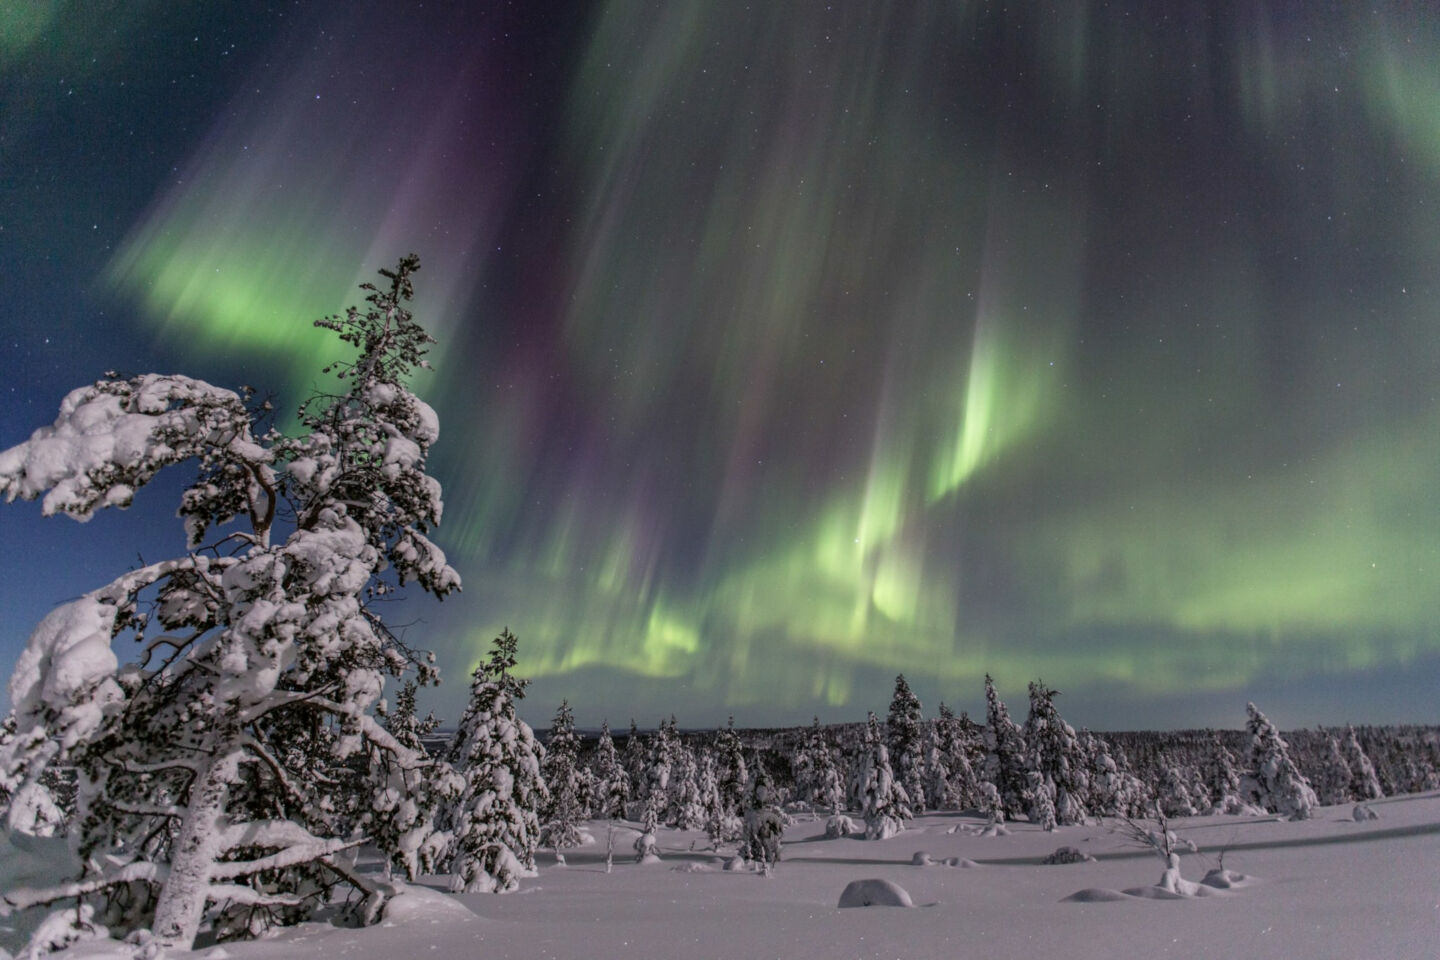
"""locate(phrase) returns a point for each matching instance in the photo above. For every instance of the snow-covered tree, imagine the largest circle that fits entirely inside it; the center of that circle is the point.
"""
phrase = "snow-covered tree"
(1271, 779)
(1332, 778)
(403, 722)
(817, 778)
(1173, 793)
(1222, 782)
(1004, 754)
(1114, 790)
(221, 770)
(636, 761)
(720, 826)
(950, 781)
(659, 767)
(1364, 784)
(881, 799)
(612, 783)
(905, 736)
(1054, 761)
(492, 801)
(401, 818)
(730, 769)
(686, 808)
(560, 816)
(760, 837)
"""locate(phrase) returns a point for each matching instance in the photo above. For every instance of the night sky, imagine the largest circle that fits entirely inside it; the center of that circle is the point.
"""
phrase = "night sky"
(788, 346)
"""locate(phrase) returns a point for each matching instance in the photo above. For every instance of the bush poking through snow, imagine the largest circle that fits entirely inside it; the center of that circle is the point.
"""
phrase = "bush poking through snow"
(1362, 812)
(1168, 848)
(1067, 855)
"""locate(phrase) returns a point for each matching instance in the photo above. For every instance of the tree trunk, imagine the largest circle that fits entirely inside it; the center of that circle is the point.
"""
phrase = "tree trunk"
(181, 904)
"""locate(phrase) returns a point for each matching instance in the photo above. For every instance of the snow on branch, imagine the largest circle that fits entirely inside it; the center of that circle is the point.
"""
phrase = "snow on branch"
(23, 897)
(113, 436)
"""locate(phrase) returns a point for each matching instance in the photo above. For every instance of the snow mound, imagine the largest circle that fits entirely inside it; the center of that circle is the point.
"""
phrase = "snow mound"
(692, 867)
(1362, 812)
(994, 830)
(1222, 879)
(1153, 893)
(924, 859)
(648, 857)
(875, 893)
(840, 826)
(1068, 855)
(414, 904)
(735, 863)
(1095, 895)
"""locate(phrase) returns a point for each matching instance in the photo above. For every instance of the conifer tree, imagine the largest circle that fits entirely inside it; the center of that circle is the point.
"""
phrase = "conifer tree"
(951, 779)
(881, 799)
(760, 837)
(223, 771)
(636, 761)
(1271, 779)
(817, 779)
(905, 736)
(493, 800)
(612, 783)
(1173, 794)
(1364, 783)
(1332, 780)
(1054, 761)
(659, 767)
(730, 769)
(1004, 754)
(560, 769)
(719, 826)
(1222, 782)
(1114, 790)
(686, 806)
(402, 817)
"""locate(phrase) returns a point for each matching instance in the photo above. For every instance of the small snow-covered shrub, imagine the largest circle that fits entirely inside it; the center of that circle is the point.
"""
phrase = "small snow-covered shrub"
(840, 826)
(1363, 812)
(1067, 855)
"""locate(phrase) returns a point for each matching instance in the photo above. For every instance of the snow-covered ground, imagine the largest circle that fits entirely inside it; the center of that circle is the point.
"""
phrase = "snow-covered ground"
(1325, 888)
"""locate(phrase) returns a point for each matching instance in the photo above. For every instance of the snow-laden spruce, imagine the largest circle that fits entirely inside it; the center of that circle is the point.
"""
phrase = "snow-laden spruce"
(881, 799)
(1005, 754)
(1271, 779)
(494, 792)
(1364, 783)
(905, 737)
(764, 824)
(1054, 762)
(818, 781)
(238, 740)
(561, 815)
(612, 783)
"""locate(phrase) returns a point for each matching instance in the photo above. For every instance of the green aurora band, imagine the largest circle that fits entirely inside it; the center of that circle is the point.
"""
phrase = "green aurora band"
(884, 338)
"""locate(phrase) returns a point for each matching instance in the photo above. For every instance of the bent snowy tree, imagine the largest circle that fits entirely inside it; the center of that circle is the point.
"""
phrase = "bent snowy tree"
(226, 765)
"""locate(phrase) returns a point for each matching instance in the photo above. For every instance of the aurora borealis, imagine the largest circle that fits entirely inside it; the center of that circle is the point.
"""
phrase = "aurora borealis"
(787, 346)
